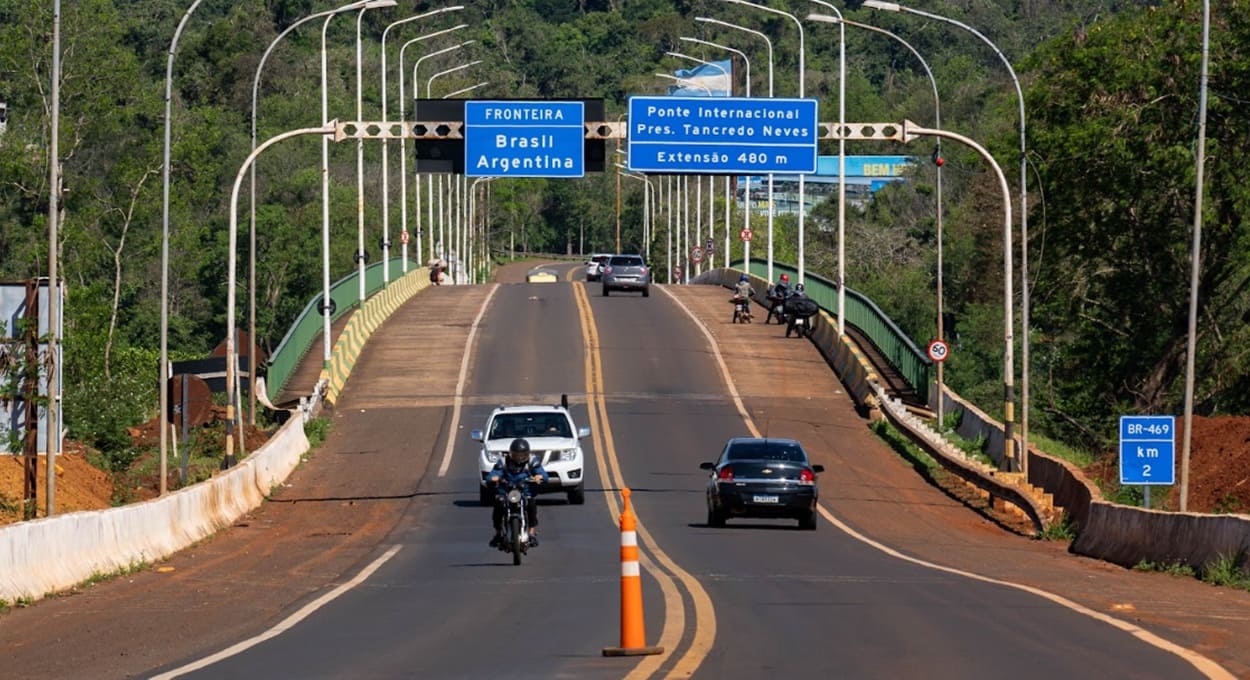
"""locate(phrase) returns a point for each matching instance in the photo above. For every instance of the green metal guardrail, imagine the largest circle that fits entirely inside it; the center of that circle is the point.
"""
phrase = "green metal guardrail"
(864, 314)
(308, 326)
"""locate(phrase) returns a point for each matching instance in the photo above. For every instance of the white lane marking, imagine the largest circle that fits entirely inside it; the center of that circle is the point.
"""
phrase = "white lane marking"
(464, 372)
(284, 625)
(1206, 666)
(720, 361)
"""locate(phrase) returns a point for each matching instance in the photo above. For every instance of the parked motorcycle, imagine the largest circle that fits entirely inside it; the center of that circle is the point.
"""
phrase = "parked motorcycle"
(800, 312)
(514, 498)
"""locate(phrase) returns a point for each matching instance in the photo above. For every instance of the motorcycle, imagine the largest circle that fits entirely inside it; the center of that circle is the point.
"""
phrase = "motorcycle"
(801, 313)
(514, 498)
(742, 309)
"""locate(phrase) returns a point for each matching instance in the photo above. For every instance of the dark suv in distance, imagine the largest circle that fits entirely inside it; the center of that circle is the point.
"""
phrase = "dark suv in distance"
(626, 272)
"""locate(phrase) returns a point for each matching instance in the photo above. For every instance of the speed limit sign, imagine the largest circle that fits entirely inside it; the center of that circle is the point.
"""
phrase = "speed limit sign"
(938, 350)
(745, 234)
(696, 254)
(403, 237)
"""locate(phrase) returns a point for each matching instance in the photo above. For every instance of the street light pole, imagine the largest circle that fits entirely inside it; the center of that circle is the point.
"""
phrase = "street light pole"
(416, 92)
(747, 203)
(802, 188)
(164, 367)
(386, 187)
(53, 364)
(403, 145)
(251, 270)
(464, 245)
(1009, 455)
(1195, 258)
(429, 83)
(699, 181)
(1024, 220)
(746, 249)
(937, 113)
(326, 130)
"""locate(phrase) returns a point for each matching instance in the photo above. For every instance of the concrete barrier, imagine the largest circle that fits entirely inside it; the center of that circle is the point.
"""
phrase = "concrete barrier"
(48, 555)
(363, 323)
(1122, 534)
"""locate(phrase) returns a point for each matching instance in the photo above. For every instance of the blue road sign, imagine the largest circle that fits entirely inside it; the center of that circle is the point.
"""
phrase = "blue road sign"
(722, 135)
(524, 139)
(1147, 450)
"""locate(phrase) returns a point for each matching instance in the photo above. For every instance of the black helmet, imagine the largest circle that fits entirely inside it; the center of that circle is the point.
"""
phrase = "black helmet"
(519, 452)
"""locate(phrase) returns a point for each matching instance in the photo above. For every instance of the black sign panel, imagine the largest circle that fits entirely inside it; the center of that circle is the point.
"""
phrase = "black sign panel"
(447, 155)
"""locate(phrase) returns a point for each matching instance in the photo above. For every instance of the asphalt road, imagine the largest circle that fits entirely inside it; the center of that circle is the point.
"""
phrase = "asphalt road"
(373, 562)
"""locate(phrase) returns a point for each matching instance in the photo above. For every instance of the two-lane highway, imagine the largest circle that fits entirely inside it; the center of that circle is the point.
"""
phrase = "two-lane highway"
(429, 599)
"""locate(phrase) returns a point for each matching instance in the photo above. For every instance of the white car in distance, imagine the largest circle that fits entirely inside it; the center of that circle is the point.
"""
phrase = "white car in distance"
(595, 264)
(552, 436)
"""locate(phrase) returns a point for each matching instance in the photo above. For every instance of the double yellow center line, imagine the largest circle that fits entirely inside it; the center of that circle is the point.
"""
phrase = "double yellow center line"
(704, 629)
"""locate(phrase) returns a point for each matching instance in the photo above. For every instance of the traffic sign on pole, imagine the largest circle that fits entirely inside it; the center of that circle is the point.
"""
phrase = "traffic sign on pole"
(403, 237)
(722, 135)
(696, 254)
(745, 235)
(938, 350)
(524, 139)
(1148, 450)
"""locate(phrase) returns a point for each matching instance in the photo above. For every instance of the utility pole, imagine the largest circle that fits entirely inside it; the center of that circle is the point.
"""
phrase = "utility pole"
(54, 289)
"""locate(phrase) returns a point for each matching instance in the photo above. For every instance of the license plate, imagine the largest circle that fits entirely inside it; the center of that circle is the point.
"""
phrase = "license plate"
(757, 498)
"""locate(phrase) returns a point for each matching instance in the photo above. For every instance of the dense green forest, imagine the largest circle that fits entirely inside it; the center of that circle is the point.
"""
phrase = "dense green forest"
(1111, 90)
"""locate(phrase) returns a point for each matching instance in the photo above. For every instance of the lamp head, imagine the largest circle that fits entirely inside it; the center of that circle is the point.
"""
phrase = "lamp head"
(886, 6)
(378, 4)
(824, 19)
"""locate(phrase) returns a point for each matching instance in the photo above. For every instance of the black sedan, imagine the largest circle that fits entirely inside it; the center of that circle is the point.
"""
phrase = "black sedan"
(762, 478)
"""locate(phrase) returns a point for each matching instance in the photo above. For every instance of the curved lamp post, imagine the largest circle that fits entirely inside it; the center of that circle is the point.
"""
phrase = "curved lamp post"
(251, 275)
(386, 187)
(464, 241)
(746, 214)
(403, 145)
(698, 180)
(164, 367)
(841, 174)
(802, 187)
(326, 131)
(937, 113)
(1008, 275)
(416, 91)
(429, 84)
(746, 249)
(1024, 228)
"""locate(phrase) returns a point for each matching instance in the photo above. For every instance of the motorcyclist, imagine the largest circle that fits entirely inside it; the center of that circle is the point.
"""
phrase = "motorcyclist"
(799, 293)
(516, 466)
(744, 292)
(777, 296)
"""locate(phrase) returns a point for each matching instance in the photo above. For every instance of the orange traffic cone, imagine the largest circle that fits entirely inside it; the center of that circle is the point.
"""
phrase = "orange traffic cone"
(633, 626)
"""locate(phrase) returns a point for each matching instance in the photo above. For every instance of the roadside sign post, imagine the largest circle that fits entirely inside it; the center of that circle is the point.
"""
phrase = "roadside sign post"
(745, 235)
(938, 351)
(524, 139)
(696, 254)
(1147, 452)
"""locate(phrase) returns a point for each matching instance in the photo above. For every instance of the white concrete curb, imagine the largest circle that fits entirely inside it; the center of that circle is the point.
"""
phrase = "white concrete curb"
(44, 556)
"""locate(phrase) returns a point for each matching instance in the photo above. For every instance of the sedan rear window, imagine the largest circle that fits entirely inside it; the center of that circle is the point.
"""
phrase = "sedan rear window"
(767, 451)
(627, 261)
